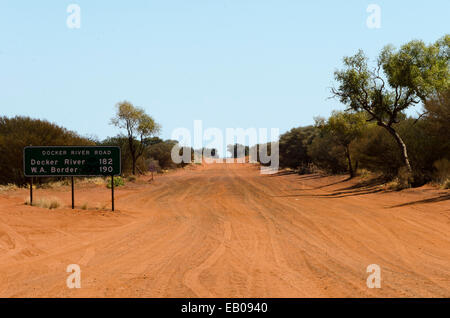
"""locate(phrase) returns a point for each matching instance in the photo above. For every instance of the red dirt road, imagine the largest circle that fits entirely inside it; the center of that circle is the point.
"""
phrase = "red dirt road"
(227, 231)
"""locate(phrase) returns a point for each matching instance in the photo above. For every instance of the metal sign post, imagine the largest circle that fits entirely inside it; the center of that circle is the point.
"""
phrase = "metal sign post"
(112, 193)
(73, 197)
(71, 161)
(31, 191)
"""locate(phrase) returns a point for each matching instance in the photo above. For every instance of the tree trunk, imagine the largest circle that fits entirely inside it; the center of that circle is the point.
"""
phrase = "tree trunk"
(349, 160)
(132, 153)
(133, 159)
(402, 147)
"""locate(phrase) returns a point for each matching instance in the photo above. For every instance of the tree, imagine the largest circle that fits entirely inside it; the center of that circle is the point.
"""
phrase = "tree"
(293, 146)
(138, 125)
(399, 80)
(344, 128)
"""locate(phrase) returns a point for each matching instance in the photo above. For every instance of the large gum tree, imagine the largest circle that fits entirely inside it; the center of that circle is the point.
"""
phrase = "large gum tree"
(399, 80)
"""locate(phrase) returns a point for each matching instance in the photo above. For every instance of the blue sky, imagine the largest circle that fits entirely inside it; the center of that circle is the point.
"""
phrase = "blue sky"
(230, 63)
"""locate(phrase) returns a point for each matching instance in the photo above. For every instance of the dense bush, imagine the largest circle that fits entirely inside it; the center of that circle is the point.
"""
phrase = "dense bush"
(326, 155)
(18, 132)
(376, 151)
(294, 145)
(161, 153)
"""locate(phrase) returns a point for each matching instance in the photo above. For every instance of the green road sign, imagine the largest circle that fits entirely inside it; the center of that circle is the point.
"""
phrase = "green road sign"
(68, 161)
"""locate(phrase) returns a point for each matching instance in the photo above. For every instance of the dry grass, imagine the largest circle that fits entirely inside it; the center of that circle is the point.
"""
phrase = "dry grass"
(46, 203)
(131, 178)
(394, 185)
(365, 174)
(100, 181)
(8, 187)
(402, 181)
(84, 206)
(102, 206)
(95, 180)
(446, 184)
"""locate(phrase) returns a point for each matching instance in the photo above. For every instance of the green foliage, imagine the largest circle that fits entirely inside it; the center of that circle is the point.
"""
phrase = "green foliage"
(376, 151)
(18, 132)
(327, 155)
(437, 111)
(342, 128)
(410, 75)
(122, 142)
(442, 167)
(139, 127)
(118, 181)
(161, 153)
(293, 146)
(151, 141)
(400, 79)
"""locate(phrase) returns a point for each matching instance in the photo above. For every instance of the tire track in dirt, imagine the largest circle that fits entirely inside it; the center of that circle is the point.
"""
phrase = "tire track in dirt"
(191, 277)
(225, 230)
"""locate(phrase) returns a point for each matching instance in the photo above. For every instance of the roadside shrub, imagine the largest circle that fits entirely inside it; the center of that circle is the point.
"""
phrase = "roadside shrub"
(404, 178)
(155, 164)
(446, 184)
(376, 151)
(326, 155)
(8, 187)
(118, 181)
(364, 174)
(293, 146)
(46, 203)
(442, 167)
(131, 178)
(161, 152)
(394, 185)
(18, 132)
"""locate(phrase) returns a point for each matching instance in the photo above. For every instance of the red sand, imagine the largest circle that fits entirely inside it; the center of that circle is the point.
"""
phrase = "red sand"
(227, 231)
